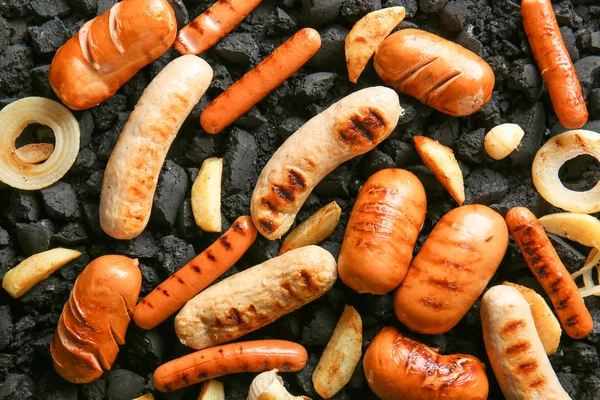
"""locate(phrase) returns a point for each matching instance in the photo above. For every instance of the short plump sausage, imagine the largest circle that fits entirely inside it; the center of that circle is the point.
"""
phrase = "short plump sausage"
(381, 233)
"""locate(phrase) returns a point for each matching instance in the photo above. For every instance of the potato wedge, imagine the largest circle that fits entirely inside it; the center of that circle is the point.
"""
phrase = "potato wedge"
(212, 390)
(366, 36)
(206, 195)
(269, 386)
(337, 364)
(441, 161)
(580, 228)
(34, 269)
(546, 324)
(314, 229)
(35, 153)
(147, 396)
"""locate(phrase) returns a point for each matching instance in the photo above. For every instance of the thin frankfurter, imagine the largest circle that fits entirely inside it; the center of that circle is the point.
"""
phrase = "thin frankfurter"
(213, 25)
(253, 356)
(260, 81)
(542, 259)
(195, 276)
(554, 62)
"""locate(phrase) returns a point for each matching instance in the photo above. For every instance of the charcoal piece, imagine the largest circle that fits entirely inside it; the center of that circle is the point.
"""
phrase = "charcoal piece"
(336, 184)
(107, 140)
(55, 388)
(94, 183)
(186, 224)
(595, 41)
(526, 78)
(490, 113)
(48, 37)
(281, 23)
(304, 376)
(467, 38)
(4, 237)
(376, 306)
(446, 131)
(60, 201)
(319, 329)
(411, 6)
(332, 247)
(238, 48)
(432, 186)
(587, 69)
(49, 8)
(432, 6)
(8, 260)
(589, 387)
(524, 195)
(4, 35)
(46, 293)
(251, 119)
(353, 10)
(85, 7)
(263, 249)
(485, 186)
(569, 382)
(569, 255)
(566, 15)
(85, 162)
(578, 355)
(124, 384)
(316, 86)
(331, 51)
(533, 122)
(173, 254)
(39, 79)
(134, 88)
(289, 326)
(14, 8)
(318, 12)
(145, 349)
(290, 125)
(454, 15)
(15, 69)
(35, 237)
(6, 327)
(238, 164)
(86, 127)
(73, 233)
(169, 195)
(374, 161)
(142, 246)
(402, 153)
(71, 270)
(150, 279)
(202, 147)
(106, 113)
(221, 80)
(570, 42)
(469, 147)
(104, 5)
(235, 206)
(25, 206)
(181, 13)
(18, 387)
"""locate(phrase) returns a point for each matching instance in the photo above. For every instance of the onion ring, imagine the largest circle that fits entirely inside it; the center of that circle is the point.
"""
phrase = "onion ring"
(14, 118)
(551, 157)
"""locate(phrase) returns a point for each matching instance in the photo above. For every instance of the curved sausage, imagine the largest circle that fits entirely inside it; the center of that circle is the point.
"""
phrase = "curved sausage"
(95, 318)
(253, 298)
(397, 367)
(543, 261)
(452, 269)
(260, 81)
(196, 275)
(132, 171)
(351, 127)
(439, 73)
(253, 356)
(108, 50)
(381, 233)
(516, 353)
(554, 62)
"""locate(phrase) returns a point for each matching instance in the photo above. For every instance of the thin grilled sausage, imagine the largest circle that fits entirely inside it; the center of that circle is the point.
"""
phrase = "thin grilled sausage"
(452, 269)
(351, 127)
(381, 233)
(554, 62)
(195, 276)
(543, 261)
(260, 81)
(253, 356)
(514, 348)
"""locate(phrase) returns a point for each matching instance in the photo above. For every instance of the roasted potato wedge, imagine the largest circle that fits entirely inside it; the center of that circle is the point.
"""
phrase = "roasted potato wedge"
(212, 390)
(342, 354)
(206, 195)
(366, 36)
(580, 228)
(35, 153)
(441, 161)
(314, 229)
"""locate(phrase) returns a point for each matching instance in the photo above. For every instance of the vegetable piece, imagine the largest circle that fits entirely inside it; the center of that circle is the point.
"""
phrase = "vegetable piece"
(269, 386)
(212, 390)
(551, 157)
(342, 354)
(441, 161)
(501, 140)
(580, 228)
(21, 174)
(35, 269)
(35, 153)
(314, 229)
(366, 36)
(590, 288)
(546, 324)
(206, 195)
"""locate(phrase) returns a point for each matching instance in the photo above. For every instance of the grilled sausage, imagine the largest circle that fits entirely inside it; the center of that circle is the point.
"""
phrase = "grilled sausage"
(543, 261)
(255, 297)
(108, 50)
(253, 356)
(133, 168)
(397, 367)
(516, 353)
(439, 73)
(554, 62)
(196, 275)
(95, 318)
(452, 269)
(348, 128)
(381, 233)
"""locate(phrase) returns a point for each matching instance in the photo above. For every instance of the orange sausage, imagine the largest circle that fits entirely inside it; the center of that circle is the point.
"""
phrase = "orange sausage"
(455, 264)
(381, 233)
(260, 81)
(195, 276)
(108, 50)
(543, 261)
(232, 358)
(397, 367)
(554, 62)
(213, 25)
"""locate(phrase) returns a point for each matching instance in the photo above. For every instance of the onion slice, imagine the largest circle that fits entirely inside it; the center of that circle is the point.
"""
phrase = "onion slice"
(13, 119)
(590, 288)
(547, 162)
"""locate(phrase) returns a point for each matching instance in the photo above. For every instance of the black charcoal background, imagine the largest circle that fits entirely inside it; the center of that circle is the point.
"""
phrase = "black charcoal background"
(66, 214)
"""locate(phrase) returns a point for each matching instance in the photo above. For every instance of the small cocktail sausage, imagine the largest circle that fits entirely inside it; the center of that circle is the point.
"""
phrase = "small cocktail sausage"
(397, 367)
(516, 353)
(456, 262)
(381, 233)
(132, 171)
(440, 73)
(351, 127)
(108, 50)
(255, 297)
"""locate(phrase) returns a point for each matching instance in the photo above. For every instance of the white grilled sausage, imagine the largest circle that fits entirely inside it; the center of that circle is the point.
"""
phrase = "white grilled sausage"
(134, 165)
(515, 349)
(351, 127)
(256, 297)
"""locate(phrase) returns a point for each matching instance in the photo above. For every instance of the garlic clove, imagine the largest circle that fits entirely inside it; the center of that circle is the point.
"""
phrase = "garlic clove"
(269, 386)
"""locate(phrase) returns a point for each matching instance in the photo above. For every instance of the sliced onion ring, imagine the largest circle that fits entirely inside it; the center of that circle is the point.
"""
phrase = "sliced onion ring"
(13, 120)
(35, 153)
(551, 156)
(590, 288)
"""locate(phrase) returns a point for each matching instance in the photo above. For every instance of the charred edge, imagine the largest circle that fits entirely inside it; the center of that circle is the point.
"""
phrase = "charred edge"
(210, 255)
(538, 382)
(528, 367)
(513, 326)
(452, 264)
(535, 258)
(180, 280)
(196, 25)
(517, 348)
(165, 293)
(444, 283)
(563, 303)
(283, 193)
(204, 375)
(287, 367)
(185, 379)
(266, 366)
(265, 202)
(252, 309)
(245, 366)
(234, 316)
(571, 321)
(306, 278)
(542, 271)
(267, 225)
(287, 286)
(224, 242)
(554, 286)
(361, 127)
(196, 268)
(296, 180)
(221, 351)
(429, 302)
(237, 227)
(150, 304)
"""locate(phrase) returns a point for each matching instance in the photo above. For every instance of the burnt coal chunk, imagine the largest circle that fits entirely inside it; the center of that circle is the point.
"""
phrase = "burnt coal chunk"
(468, 39)
(569, 382)
(594, 104)
(238, 48)
(411, 6)
(48, 37)
(181, 13)
(238, 164)
(150, 279)
(570, 42)
(587, 69)
(251, 119)
(445, 131)
(73, 233)
(124, 384)
(263, 249)
(569, 255)
(4, 35)
(318, 13)
(35, 237)
(316, 86)
(145, 349)
(485, 186)
(14, 8)
(304, 376)
(331, 51)
(39, 79)
(524, 195)
(85, 7)
(432, 186)
(186, 224)
(578, 355)
(526, 78)
(281, 23)
(432, 6)
(170, 192)
(60, 201)
(319, 329)
(55, 388)
(46, 294)
(16, 63)
(106, 113)
(566, 15)
(8, 260)
(589, 387)
(4, 237)
(25, 206)
(353, 10)
(173, 254)
(235, 206)
(106, 142)
(49, 8)
(402, 153)
(332, 247)
(91, 217)
(221, 80)
(95, 390)
(533, 121)
(134, 88)
(595, 41)
(201, 148)
(6, 327)
(85, 162)
(18, 387)
(71, 271)
(376, 306)
(454, 15)
(469, 147)
(104, 5)
(290, 125)
(374, 161)
(336, 184)
(142, 246)
(86, 127)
